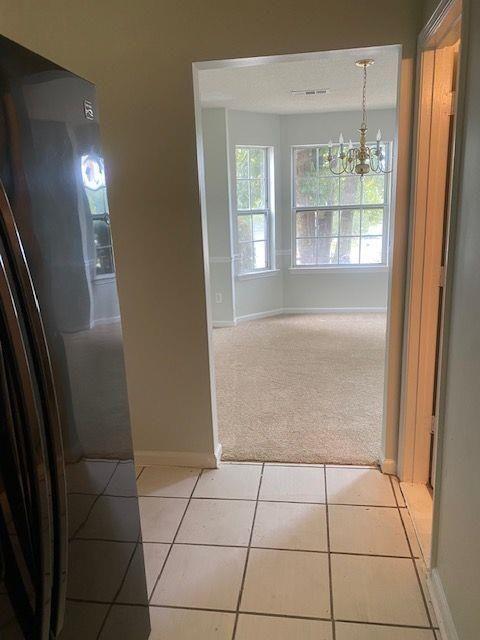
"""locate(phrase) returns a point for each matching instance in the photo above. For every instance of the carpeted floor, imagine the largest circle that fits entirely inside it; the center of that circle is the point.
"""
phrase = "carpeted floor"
(301, 388)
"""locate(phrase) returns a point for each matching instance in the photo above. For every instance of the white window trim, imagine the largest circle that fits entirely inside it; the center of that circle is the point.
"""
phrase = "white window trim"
(337, 268)
(269, 211)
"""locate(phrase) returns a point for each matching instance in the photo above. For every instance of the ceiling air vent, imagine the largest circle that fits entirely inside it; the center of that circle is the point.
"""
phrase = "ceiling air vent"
(310, 92)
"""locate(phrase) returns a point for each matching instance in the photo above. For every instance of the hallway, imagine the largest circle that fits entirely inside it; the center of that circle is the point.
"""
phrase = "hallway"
(278, 552)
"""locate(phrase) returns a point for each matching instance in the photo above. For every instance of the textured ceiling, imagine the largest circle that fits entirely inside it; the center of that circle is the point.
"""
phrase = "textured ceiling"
(266, 87)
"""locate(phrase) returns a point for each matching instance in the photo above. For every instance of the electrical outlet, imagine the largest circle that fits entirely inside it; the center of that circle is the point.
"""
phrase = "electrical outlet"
(218, 298)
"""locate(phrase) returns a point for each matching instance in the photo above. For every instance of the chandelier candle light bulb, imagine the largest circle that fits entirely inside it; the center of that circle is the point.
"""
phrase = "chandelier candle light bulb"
(362, 159)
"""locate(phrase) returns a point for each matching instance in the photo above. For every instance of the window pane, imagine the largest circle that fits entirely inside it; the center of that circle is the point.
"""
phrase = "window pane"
(104, 261)
(373, 189)
(327, 250)
(257, 163)
(349, 251)
(327, 223)
(350, 190)
(328, 192)
(246, 257)
(244, 228)
(306, 254)
(306, 192)
(260, 255)
(372, 222)
(257, 194)
(350, 223)
(101, 231)
(371, 250)
(305, 224)
(241, 161)
(306, 162)
(259, 226)
(323, 168)
(242, 195)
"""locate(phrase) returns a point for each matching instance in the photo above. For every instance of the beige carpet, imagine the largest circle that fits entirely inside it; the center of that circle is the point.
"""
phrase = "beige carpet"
(302, 388)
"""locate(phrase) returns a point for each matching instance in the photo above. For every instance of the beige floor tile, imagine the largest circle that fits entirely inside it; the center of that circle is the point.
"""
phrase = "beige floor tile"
(398, 491)
(294, 484)
(369, 530)
(287, 525)
(227, 522)
(293, 464)
(230, 481)
(412, 536)
(422, 572)
(148, 563)
(287, 583)
(169, 482)
(200, 576)
(160, 518)
(359, 486)
(154, 555)
(370, 589)
(271, 628)
(138, 470)
(348, 631)
(183, 624)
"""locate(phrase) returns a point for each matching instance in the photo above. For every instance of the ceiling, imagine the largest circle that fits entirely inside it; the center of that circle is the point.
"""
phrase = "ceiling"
(265, 87)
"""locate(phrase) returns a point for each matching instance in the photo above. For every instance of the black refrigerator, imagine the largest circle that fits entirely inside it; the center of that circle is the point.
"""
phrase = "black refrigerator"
(71, 556)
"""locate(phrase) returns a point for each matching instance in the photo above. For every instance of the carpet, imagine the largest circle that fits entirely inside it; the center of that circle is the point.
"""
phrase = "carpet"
(301, 388)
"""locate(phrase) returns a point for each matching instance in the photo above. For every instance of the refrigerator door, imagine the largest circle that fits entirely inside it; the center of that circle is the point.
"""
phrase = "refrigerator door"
(57, 234)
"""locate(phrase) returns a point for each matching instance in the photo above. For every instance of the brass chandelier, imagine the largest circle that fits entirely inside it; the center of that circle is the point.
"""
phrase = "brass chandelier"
(361, 159)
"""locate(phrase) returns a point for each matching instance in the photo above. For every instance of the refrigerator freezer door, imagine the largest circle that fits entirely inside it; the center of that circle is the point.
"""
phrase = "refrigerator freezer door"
(53, 170)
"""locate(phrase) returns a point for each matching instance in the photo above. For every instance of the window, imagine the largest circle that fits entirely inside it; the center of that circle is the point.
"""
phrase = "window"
(253, 210)
(93, 176)
(338, 220)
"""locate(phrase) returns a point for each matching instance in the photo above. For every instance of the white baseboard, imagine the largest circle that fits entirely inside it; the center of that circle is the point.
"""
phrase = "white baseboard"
(334, 310)
(202, 460)
(260, 314)
(217, 324)
(440, 604)
(389, 466)
(306, 310)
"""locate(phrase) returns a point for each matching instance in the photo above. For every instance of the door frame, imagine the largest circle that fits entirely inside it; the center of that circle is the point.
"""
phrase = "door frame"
(398, 231)
(414, 438)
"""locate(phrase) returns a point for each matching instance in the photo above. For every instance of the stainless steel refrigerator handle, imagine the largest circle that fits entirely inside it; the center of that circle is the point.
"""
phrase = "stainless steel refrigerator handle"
(50, 406)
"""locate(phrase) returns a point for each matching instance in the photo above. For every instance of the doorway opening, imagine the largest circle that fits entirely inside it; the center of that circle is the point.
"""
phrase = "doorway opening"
(431, 228)
(299, 259)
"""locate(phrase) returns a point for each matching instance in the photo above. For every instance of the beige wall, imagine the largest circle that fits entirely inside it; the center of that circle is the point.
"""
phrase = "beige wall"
(140, 55)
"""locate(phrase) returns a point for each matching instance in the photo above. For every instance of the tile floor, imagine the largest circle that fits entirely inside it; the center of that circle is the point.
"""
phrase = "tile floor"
(281, 552)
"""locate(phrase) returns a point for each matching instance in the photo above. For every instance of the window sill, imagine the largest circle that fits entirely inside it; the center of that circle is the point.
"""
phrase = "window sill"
(368, 268)
(258, 274)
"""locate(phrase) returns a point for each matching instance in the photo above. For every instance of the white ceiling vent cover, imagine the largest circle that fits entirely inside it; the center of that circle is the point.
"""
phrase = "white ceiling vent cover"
(310, 92)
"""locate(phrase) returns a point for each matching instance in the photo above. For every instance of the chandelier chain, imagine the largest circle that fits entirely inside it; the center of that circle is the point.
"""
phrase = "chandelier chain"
(364, 95)
(362, 158)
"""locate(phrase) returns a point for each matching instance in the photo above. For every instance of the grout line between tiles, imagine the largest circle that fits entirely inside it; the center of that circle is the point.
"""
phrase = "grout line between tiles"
(425, 603)
(174, 537)
(237, 613)
(388, 625)
(245, 546)
(330, 581)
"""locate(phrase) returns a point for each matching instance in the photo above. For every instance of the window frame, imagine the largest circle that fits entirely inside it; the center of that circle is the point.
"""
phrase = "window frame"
(268, 213)
(337, 266)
